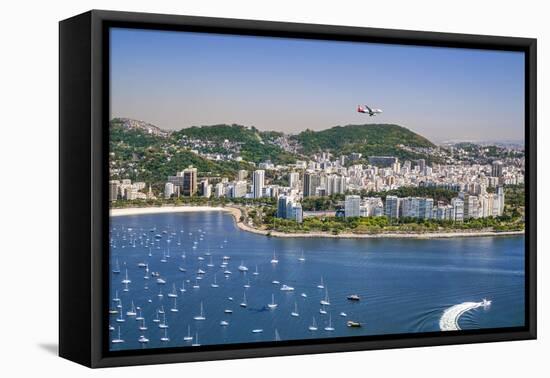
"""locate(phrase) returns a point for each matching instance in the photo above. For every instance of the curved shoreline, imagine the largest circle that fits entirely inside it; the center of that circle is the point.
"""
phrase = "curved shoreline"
(237, 213)
(450, 317)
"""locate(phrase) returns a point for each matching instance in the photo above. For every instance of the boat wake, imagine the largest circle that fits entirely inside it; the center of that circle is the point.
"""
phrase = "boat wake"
(450, 317)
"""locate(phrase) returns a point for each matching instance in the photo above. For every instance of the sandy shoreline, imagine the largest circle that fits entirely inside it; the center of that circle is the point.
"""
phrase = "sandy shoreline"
(237, 213)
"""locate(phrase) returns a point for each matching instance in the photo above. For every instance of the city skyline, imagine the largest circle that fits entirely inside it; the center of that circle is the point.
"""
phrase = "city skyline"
(292, 84)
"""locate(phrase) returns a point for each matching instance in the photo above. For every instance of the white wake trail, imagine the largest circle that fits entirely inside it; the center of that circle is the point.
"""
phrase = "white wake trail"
(450, 317)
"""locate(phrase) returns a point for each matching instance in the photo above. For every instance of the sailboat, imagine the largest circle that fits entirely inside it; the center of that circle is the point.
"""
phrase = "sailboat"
(302, 258)
(242, 267)
(274, 260)
(313, 326)
(256, 271)
(118, 340)
(156, 319)
(175, 308)
(272, 305)
(196, 285)
(182, 288)
(188, 337)
(132, 311)
(163, 260)
(247, 284)
(116, 268)
(201, 315)
(329, 327)
(163, 324)
(116, 298)
(174, 293)
(210, 264)
(120, 319)
(143, 327)
(322, 310)
(139, 317)
(126, 280)
(321, 284)
(243, 303)
(165, 338)
(326, 301)
(142, 339)
(214, 284)
(295, 312)
(196, 343)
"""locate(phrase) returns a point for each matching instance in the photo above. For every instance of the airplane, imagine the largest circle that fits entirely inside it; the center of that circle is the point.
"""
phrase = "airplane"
(365, 109)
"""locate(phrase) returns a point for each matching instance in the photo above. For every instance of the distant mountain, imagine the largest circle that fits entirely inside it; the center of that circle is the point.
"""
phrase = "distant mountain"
(132, 124)
(370, 139)
(145, 152)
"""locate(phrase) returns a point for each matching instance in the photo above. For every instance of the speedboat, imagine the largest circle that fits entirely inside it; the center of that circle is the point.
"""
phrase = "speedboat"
(287, 288)
(353, 324)
(224, 323)
(257, 330)
(353, 297)
(486, 302)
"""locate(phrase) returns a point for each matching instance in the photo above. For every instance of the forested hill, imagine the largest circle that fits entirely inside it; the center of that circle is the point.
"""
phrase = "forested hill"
(370, 139)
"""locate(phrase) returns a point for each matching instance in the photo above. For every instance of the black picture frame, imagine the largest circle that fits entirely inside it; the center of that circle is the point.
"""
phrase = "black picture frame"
(84, 213)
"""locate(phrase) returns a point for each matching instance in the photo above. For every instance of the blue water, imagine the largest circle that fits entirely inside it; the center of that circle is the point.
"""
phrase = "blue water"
(404, 285)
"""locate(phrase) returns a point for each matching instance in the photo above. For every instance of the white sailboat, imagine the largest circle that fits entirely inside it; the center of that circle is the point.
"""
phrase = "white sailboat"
(295, 312)
(120, 319)
(188, 337)
(322, 310)
(126, 280)
(210, 263)
(329, 327)
(274, 260)
(247, 284)
(242, 267)
(175, 308)
(164, 324)
(256, 271)
(272, 305)
(243, 303)
(165, 338)
(182, 288)
(143, 340)
(132, 311)
(174, 293)
(156, 319)
(321, 284)
(214, 284)
(116, 298)
(201, 315)
(302, 258)
(116, 268)
(118, 340)
(142, 326)
(326, 301)
(196, 343)
(313, 326)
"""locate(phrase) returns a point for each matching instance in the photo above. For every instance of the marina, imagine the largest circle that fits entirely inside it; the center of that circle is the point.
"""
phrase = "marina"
(288, 289)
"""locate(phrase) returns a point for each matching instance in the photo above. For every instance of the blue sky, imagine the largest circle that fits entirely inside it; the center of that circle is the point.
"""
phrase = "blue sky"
(181, 79)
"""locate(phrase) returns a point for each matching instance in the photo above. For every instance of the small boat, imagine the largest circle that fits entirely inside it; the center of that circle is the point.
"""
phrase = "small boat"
(161, 310)
(182, 269)
(182, 288)
(142, 265)
(229, 298)
(196, 285)
(120, 319)
(175, 308)
(126, 280)
(287, 288)
(353, 297)
(227, 311)
(142, 339)
(329, 327)
(111, 328)
(353, 324)
(161, 281)
(242, 267)
(343, 314)
(188, 337)
(224, 323)
(304, 295)
(201, 315)
(313, 326)
(272, 305)
(274, 260)
(200, 258)
(113, 311)
(226, 258)
(322, 310)
(160, 295)
(196, 343)
(295, 312)
(247, 285)
(156, 319)
(210, 264)
(214, 284)
(139, 317)
(174, 293)
(321, 284)
(116, 268)
(275, 282)
(256, 271)
(326, 301)
(200, 271)
(165, 338)
(142, 326)
(163, 325)
(116, 298)
(118, 340)
(132, 311)
(243, 303)
(257, 330)
(227, 272)
(302, 258)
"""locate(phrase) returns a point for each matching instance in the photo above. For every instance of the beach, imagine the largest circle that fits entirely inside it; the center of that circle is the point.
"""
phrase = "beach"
(237, 214)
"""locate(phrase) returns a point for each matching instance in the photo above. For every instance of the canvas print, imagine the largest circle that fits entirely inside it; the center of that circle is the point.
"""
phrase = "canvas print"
(268, 190)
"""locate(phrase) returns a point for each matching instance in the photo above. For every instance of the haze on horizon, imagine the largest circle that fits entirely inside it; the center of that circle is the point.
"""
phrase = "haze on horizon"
(180, 79)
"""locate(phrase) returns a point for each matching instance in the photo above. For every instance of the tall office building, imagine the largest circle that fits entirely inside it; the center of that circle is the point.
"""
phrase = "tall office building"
(352, 206)
(189, 182)
(282, 203)
(258, 183)
(311, 182)
(392, 207)
(497, 168)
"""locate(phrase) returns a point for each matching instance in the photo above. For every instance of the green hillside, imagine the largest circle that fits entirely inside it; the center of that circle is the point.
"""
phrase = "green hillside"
(373, 139)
